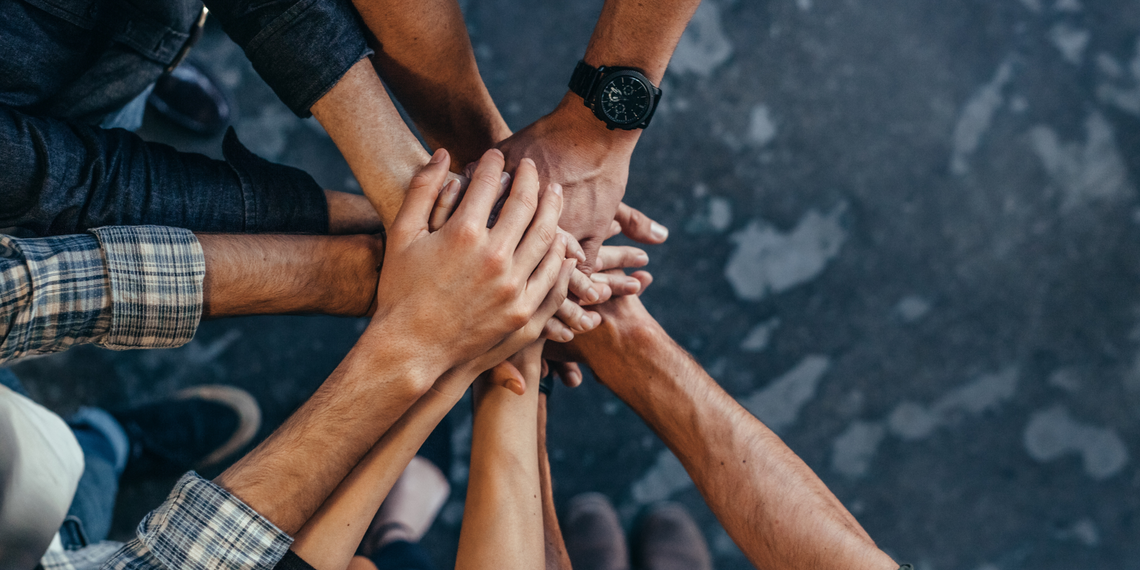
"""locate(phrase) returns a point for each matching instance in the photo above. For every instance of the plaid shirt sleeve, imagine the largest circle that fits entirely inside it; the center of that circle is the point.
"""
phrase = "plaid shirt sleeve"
(200, 527)
(120, 287)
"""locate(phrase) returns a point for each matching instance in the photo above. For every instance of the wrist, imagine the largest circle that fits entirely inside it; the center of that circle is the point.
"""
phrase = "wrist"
(386, 351)
(573, 116)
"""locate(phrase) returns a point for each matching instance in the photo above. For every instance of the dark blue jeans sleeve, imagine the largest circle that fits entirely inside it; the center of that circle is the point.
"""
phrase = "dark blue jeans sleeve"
(301, 48)
(64, 178)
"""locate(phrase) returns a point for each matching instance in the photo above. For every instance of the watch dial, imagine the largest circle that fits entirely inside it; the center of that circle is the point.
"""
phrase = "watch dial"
(624, 99)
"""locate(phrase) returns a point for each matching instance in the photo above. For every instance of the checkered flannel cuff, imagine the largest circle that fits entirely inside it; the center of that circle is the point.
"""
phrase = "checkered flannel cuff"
(156, 278)
(201, 526)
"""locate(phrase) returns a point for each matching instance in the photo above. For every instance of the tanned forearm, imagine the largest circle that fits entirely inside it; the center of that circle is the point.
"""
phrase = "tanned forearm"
(289, 274)
(351, 214)
(368, 130)
(289, 475)
(770, 502)
(557, 558)
(424, 54)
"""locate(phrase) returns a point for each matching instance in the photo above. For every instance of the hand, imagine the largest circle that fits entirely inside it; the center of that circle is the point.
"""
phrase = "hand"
(618, 314)
(591, 163)
(457, 292)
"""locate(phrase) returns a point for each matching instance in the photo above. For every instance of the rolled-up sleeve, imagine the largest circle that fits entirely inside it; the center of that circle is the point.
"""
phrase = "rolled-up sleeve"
(118, 287)
(64, 178)
(200, 526)
(301, 48)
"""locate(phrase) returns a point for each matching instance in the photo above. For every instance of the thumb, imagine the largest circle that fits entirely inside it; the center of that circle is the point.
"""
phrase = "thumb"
(639, 227)
(422, 193)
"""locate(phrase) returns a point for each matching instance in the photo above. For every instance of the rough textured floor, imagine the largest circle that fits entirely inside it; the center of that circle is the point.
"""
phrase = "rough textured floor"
(904, 234)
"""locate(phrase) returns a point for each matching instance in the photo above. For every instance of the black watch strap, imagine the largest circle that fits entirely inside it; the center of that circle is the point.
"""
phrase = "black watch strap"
(583, 79)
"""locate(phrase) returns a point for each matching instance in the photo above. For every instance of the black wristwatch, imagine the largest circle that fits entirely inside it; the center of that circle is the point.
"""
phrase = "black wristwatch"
(621, 97)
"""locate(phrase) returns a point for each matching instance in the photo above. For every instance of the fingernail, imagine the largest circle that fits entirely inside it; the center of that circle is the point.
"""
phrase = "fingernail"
(496, 151)
(659, 231)
(642, 258)
(632, 287)
(562, 238)
(452, 186)
(585, 323)
(515, 386)
(438, 157)
(567, 336)
(592, 295)
(504, 179)
(557, 189)
(529, 161)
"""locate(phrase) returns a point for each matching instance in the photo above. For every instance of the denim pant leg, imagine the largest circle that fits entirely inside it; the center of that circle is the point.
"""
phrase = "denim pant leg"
(9, 380)
(105, 447)
(402, 555)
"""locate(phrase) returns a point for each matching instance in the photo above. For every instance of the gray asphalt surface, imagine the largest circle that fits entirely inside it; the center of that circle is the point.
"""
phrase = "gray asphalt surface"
(904, 234)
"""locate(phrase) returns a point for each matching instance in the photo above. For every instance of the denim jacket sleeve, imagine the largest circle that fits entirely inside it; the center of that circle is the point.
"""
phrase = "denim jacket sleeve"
(301, 48)
(64, 178)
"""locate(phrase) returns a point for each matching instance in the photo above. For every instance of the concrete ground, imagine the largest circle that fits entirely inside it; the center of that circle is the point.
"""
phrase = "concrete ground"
(906, 235)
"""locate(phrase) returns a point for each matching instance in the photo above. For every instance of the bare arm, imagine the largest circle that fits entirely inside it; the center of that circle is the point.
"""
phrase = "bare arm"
(770, 502)
(424, 55)
(289, 274)
(557, 558)
(573, 147)
(502, 520)
(383, 154)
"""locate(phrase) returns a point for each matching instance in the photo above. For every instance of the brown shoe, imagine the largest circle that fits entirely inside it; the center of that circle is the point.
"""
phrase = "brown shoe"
(666, 538)
(593, 534)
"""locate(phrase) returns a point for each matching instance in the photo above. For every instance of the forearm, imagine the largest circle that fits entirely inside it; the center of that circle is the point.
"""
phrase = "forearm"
(502, 521)
(288, 274)
(770, 502)
(351, 214)
(291, 473)
(383, 154)
(557, 558)
(639, 34)
(329, 539)
(424, 55)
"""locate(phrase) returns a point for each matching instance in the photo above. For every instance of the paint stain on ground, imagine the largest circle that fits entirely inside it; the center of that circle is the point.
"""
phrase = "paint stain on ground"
(912, 308)
(913, 421)
(1092, 170)
(759, 336)
(1071, 41)
(767, 260)
(1053, 433)
(761, 127)
(976, 117)
(778, 404)
(1119, 87)
(704, 46)
(854, 449)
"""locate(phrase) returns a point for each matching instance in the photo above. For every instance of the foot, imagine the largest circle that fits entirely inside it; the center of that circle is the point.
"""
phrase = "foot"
(196, 428)
(667, 538)
(593, 534)
(410, 509)
(190, 99)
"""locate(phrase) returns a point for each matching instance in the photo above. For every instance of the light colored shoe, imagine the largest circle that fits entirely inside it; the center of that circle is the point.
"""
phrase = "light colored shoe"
(411, 507)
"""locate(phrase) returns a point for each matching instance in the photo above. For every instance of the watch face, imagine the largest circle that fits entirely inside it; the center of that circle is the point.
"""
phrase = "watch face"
(624, 99)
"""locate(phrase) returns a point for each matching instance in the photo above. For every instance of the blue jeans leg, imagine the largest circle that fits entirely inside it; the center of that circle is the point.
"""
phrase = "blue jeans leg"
(105, 447)
(402, 555)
